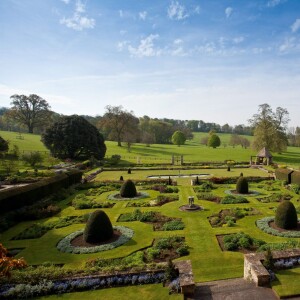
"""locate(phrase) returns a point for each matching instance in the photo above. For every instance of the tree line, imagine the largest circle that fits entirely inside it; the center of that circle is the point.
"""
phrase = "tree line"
(269, 127)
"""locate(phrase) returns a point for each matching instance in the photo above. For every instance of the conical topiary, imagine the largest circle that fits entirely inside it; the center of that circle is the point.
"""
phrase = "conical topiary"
(286, 215)
(128, 189)
(242, 186)
(98, 228)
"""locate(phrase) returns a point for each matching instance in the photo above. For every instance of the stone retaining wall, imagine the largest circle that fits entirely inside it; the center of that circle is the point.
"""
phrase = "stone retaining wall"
(186, 277)
(256, 272)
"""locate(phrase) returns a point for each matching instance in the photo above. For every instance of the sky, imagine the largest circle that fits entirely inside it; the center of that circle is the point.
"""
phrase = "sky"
(211, 60)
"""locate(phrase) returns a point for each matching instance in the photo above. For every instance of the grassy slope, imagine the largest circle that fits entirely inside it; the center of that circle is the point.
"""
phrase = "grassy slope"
(192, 151)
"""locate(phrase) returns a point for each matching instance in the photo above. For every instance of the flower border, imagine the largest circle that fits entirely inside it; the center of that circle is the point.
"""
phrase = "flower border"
(251, 193)
(141, 196)
(64, 245)
(263, 224)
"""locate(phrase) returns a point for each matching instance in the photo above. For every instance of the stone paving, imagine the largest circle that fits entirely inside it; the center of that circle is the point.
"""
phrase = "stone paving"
(232, 289)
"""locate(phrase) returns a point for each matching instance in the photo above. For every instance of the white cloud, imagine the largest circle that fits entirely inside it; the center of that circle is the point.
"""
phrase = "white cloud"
(121, 45)
(289, 44)
(143, 15)
(238, 40)
(146, 47)
(176, 11)
(177, 42)
(273, 3)
(66, 1)
(78, 21)
(197, 10)
(121, 14)
(228, 11)
(296, 25)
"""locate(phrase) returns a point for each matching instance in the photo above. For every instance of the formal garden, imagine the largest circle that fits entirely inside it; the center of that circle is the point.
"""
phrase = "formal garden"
(146, 229)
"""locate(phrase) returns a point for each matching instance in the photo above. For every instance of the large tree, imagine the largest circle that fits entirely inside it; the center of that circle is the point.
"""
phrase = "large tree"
(270, 128)
(74, 137)
(214, 141)
(31, 111)
(116, 122)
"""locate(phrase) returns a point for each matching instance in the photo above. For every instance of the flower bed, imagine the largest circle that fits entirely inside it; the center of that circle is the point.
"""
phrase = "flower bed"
(64, 245)
(264, 225)
(117, 197)
(46, 287)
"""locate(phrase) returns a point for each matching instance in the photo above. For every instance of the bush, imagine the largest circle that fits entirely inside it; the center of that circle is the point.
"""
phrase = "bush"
(98, 228)
(173, 225)
(128, 189)
(242, 185)
(229, 199)
(286, 215)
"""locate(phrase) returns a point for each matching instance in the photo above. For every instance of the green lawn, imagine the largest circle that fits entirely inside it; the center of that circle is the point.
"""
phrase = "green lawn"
(287, 283)
(192, 151)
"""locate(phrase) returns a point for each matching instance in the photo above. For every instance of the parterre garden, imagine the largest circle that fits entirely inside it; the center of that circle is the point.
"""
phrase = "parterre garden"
(160, 230)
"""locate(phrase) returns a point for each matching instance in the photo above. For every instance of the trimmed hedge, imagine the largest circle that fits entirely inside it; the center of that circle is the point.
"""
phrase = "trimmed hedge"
(295, 177)
(98, 228)
(284, 174)
(286, 215)
(242, 185)
(128, 189)
(15, 198)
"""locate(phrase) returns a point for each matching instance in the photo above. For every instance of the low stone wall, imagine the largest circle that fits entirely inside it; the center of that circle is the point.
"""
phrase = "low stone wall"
(186, 277)
(256, 272)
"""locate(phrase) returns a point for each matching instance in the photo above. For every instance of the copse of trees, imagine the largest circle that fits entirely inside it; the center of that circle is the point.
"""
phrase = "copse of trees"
(74, 137)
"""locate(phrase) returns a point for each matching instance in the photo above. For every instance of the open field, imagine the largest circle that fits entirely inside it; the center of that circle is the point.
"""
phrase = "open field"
(208, 260)
(192, 151)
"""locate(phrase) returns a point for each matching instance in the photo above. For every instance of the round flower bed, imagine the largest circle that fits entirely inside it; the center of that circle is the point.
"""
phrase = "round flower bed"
(264, 225)
(118, 197)
(65, 245)
(234, 193)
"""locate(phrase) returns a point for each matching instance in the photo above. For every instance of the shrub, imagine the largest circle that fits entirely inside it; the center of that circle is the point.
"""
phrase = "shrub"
(286, 215)
(98, 228)
(242, 185)
(173, 225)
(128, 189)
(229, 199)
(269, 260)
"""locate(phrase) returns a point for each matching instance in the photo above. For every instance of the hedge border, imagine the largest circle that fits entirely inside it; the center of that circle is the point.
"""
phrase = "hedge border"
(263, 224)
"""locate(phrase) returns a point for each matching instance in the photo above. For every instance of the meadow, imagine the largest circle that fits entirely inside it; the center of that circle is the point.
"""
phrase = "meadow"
(193, 151)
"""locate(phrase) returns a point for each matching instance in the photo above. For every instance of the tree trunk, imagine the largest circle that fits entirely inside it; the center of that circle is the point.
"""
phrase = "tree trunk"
(30, 129)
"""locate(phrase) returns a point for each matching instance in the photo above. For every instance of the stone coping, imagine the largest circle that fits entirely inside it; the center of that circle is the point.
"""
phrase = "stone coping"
(186, 277)
(255, 271)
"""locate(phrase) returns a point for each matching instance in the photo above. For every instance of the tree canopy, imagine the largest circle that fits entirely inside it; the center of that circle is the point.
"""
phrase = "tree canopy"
(3, 145)
(178, 138)
(270, 128)
(31, 111)
(118, 123)
(214, 141)
(74, 137)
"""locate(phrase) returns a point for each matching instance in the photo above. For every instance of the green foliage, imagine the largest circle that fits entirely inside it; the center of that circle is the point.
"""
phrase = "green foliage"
(171, 272)
(230, 199)
(173, 225)
(32, 158)
(295, 177)
(286, 215)
(128, 189)
(240, 240)
(178, 138)
(242, 185)
(98, 228)
(26, 195)
(214, 141)
(74, 137)
(269, 260)
(3, 145)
